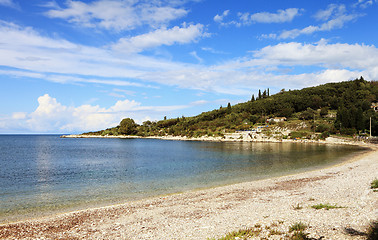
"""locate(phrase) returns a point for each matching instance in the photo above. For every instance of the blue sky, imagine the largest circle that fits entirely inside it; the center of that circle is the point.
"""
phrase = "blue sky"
(73, 66)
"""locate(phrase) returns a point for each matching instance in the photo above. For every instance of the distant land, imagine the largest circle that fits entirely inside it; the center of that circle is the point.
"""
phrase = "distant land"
(347, 108)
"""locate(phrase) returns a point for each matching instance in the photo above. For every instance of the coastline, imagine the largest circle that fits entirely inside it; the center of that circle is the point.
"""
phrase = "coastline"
(208, 213)
(233, 138)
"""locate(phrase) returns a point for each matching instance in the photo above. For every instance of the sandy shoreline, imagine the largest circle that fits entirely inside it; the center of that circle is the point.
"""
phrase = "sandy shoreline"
(202, 214)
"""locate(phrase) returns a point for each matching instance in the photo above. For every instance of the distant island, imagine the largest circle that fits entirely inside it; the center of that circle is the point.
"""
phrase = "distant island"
(347, 108)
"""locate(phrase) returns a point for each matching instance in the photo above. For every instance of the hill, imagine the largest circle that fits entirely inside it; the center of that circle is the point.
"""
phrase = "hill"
(334, 108)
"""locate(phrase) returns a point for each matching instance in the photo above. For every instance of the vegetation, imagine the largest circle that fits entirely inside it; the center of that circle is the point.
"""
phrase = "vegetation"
(326, 206)
(297, 207)
(299, 235)
(343, 108)
(298, 227)
(242, 234)
(372, 233)
(295, 232)
(374, 184)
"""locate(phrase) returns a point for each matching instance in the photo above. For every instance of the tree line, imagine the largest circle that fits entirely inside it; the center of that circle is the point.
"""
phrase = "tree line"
(351, 102)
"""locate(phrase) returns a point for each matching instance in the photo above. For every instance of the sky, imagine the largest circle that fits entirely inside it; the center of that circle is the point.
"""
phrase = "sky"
(72, 66)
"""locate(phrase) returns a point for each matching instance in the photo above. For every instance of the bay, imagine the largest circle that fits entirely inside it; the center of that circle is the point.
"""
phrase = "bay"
(45, 174)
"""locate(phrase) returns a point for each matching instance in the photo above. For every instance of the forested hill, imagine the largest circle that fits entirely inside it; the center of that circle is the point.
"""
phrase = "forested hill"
(344, 107)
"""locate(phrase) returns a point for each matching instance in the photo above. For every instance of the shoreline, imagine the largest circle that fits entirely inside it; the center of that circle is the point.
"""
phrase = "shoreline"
(206, 213)
(329, 140)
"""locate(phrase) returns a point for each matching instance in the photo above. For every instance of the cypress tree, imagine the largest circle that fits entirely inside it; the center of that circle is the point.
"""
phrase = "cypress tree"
(229, 106)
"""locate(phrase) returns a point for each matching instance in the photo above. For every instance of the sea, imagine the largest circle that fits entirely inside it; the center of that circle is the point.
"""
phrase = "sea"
(42, 175)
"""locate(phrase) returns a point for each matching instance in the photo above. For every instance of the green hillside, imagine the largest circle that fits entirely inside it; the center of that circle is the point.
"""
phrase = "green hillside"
(334, 108)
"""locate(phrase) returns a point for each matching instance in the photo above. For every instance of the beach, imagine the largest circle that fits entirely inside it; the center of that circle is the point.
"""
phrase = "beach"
(275, 203)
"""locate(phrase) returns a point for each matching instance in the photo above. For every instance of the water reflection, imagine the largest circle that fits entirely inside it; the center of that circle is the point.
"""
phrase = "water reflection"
(43, 164)
(44, 173)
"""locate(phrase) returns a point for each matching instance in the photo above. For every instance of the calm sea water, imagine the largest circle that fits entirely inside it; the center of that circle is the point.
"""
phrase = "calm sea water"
(45, 174)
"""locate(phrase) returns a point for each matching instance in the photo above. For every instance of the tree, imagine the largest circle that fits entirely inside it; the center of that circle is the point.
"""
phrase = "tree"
(323, 111)
(259, 94)
(268, 92)
(228, 107)
(308, 114)
(253, 98)
(127, 126)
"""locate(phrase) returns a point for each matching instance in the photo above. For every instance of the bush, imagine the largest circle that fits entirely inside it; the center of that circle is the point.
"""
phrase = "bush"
(325, 206)
(300, 236)
(347, 131)
(298, 135)
(324, 135)
(322, 128)
(297, 227)
(373, 231)
(374, 183)
(323, 111)
(308, 114)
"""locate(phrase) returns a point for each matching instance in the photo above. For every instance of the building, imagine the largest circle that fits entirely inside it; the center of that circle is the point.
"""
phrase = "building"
(374, 106)
(276, 119)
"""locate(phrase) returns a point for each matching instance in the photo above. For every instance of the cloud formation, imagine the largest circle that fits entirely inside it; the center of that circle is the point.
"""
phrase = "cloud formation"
(281, 16)
(219, 18)
(364, 3)
(51, 116)
(159, 37)
(117, 15)
(9, 3)
(335, 17)
(29, 54)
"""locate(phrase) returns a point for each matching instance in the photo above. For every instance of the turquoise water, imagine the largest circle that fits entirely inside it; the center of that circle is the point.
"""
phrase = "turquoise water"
(45, 174)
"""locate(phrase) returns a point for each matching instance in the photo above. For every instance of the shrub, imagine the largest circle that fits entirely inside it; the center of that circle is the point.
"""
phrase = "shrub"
(326, 206)
(324, 135)
(374, 184)
(297, 227)
(372, 233)
(347, 131)
(298, 134)
(300, 236)
(243, 233)
(322, 128)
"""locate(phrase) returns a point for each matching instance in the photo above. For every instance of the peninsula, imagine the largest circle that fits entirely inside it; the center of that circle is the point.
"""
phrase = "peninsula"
(345, 109)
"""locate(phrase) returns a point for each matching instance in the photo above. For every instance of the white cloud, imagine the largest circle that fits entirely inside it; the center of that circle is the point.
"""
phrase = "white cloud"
(78, 64)
(9, 3)
(212, 50)
(124, 91)
(117, 15)
(332, 10)
(269, 67)
(219, 18)
(19, 115)
(180, 35)
(336, 55)
(24, 48)
(281, 16)
(335, 17)
(52, 116)
(364, 3)
(195, 55)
